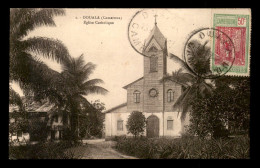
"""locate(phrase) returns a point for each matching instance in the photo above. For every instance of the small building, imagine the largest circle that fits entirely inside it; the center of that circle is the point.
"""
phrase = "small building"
(43, 114)
(151, 96)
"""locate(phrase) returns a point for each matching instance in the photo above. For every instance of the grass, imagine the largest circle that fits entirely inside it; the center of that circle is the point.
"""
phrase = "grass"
(185, 148)
(47, 150)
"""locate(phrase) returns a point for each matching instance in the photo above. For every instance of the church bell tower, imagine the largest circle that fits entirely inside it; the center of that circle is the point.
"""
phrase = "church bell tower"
(155, 49)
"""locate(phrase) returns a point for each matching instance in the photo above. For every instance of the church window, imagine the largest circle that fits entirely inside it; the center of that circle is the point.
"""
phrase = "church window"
(169, 124)
(153, 63)
(170, 95)
(137, 96)
(120, 125)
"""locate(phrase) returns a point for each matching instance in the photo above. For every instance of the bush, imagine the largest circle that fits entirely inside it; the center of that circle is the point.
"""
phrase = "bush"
(185, 148)
(49, 150)
(225, 112)
(136, 123)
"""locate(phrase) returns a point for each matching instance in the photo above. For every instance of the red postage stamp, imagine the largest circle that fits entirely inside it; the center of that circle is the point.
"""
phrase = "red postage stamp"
(236, 28)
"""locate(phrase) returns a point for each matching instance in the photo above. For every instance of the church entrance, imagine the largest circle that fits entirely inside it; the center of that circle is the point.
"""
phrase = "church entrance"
(152, 128)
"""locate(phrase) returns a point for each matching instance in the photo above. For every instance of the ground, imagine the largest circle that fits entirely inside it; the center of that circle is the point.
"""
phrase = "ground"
(99, 149)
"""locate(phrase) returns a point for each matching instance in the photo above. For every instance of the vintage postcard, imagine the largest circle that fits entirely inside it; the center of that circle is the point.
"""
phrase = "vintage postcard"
(158, 83)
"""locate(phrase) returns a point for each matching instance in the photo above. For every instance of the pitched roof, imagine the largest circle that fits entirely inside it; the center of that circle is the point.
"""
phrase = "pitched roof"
(157, 35)
(126, 86)
(45, 107)
(116, 107)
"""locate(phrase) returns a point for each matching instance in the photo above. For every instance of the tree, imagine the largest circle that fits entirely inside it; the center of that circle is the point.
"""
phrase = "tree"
(225, 111)
(77, 84)
(25, 66)
(20, 123)
(20, 117)
(91, 120)
(136, 123)
(38, 129)
(193, 84)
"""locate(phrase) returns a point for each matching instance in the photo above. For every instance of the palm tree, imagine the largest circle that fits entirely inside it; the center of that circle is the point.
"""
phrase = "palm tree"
(25, 66)
(77, 84)
(194, 85)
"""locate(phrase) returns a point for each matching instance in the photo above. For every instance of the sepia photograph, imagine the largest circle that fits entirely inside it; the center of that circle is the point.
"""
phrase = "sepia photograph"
(129, 83)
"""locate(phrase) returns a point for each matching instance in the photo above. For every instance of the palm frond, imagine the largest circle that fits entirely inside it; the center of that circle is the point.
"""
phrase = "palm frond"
(22, 21)
(95, 89)
(183, 64)
(88, 70)
(184, 79)
(185, 109)
(48, 47)
(15, 99)
(79, 62)
(173, 79)
(184, 101)
(92, 82)
(34, 76)
(179, 101)
(205, 89)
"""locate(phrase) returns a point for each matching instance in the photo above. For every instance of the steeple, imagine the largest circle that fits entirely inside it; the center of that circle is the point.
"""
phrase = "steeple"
(157, 35)
(155, 48)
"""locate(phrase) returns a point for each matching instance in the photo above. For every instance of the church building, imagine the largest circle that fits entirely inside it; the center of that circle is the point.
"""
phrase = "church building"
(149, 95)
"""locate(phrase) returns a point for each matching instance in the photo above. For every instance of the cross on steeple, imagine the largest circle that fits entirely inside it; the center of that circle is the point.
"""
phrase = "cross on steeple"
(155, 19)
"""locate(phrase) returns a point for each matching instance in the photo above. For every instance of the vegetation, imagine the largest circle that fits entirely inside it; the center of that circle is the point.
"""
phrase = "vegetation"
(37, 80)
(42, 150)
(194, 85)
(185, 148)
(76, 74)
(38, 129)
(20, 117)
(20, 123)
(225, 112)
(216, 104)
(26, 68)
(136, 123)
(91, 120)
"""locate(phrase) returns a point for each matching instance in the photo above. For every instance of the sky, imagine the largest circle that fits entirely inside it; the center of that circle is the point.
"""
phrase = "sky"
(107, 46)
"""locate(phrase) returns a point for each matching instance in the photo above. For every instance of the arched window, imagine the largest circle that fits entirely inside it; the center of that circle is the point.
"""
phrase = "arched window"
(137, 96)
(170, 95)
(153, 63)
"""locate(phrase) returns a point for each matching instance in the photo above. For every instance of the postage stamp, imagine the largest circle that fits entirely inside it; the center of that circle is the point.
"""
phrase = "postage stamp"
(89, 82)
(237, 28)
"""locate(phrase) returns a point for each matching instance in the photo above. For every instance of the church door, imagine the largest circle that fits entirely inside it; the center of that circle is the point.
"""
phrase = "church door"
(152, 128)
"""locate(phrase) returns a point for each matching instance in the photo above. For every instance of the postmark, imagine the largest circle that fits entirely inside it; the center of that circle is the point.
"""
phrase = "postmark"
(204, 45)
(237, 27)
(142, 23)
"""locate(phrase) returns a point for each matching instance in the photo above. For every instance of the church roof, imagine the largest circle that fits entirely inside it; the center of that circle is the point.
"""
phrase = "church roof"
(125, 87)
(114, 108)
(157, 35)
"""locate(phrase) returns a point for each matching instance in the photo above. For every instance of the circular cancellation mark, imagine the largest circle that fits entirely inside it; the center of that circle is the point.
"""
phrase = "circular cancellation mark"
(143, 22)
(209, 53)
